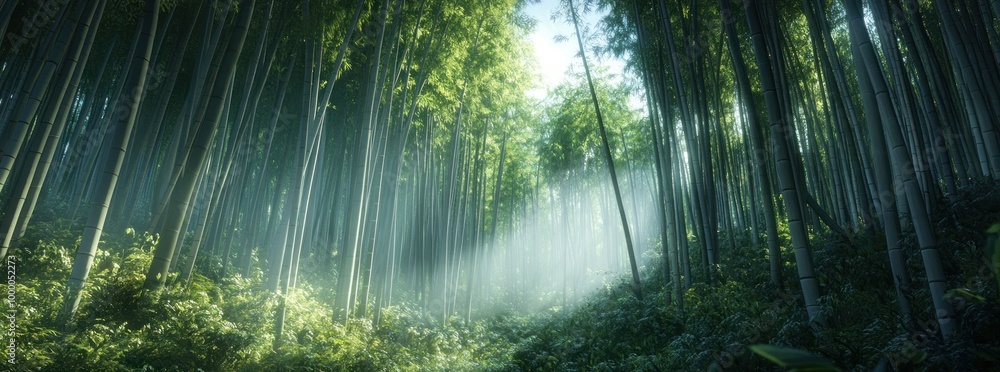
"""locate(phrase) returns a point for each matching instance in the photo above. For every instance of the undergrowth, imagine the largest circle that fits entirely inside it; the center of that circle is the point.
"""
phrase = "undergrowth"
(224, 325)
(227, 323)
(863, 330)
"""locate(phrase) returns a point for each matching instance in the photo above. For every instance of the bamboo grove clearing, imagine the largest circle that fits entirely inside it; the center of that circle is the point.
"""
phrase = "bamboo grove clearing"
(368, 185)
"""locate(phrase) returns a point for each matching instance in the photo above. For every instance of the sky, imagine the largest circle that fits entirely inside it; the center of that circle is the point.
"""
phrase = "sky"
(554, 59)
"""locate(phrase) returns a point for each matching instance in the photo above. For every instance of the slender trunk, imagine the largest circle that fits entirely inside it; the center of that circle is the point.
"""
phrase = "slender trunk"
(790, 192)
(181, 195)
(127, 108)
(607, 157)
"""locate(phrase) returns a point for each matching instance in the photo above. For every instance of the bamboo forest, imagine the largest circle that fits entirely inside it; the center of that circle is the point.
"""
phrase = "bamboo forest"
(500, 185)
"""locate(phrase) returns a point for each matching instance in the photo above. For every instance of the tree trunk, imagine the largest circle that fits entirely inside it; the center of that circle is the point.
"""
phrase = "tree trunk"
(126, 108)
(608, 158)
(790, 192)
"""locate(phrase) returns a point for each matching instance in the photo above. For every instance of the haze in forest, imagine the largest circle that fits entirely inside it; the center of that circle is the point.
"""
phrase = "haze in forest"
(503, 185)
(556, 257)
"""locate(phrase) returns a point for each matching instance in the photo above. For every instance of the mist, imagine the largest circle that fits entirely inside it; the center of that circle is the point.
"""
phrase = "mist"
(565, 243)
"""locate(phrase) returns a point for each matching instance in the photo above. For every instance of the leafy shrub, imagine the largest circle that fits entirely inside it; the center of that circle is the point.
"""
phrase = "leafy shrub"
(224, 321)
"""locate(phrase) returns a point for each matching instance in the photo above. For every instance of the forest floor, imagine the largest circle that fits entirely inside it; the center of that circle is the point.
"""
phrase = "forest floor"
(226, 322)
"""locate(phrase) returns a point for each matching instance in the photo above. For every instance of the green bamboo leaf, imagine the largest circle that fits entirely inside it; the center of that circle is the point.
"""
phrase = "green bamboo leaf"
(964, 294)
(996, 260)
(794, 359)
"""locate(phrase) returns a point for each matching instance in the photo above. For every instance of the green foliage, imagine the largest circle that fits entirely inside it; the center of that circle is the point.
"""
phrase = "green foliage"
(571, 139)
(227, 323)
(996, 264)
(121, 328)
(995, 231)
(613, 331)
(404, 339)
(222, 325)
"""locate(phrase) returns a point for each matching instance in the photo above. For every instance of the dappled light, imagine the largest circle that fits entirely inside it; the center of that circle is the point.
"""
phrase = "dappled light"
(500, 185)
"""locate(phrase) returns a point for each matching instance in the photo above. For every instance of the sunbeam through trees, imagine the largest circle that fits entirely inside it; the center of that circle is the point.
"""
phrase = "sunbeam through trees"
(381, 185)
